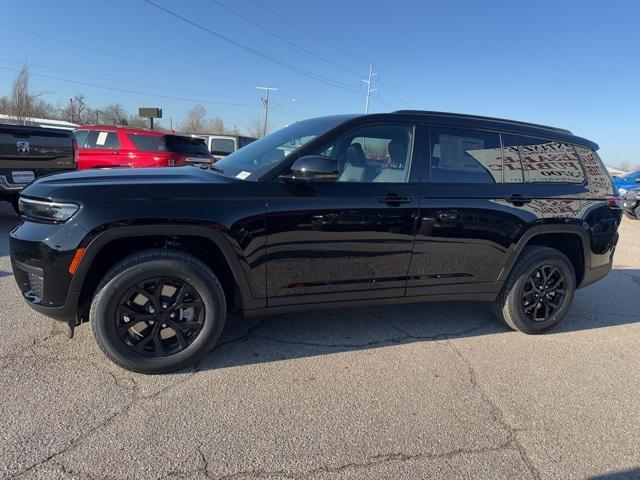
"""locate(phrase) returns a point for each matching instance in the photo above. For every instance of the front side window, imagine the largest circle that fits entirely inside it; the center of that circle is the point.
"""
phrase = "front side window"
(377, 154)
(549, 161)
(465, 156)
(81, 137)
(101, 139)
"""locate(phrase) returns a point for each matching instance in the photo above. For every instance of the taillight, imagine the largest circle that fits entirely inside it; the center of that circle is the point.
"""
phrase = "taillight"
(74, 148)
(614, 201)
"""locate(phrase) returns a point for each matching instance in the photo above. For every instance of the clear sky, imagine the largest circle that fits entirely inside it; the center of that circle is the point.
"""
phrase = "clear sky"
(573, 64)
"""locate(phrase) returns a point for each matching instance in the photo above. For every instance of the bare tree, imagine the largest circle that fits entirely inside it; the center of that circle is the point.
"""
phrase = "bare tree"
(194, 121)
(114, 114)
(78, 111)
(255, 127)
(216, 125)
(20, 101)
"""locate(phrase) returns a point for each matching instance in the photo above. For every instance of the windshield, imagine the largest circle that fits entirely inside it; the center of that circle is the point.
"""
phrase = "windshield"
(257, 157)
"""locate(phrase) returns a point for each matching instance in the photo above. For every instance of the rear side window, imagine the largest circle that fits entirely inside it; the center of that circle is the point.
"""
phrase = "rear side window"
(512, 166)
(465, 156)
(223, 145)
(549, 161)
(189, 145)
(148, 143)
(101, 139)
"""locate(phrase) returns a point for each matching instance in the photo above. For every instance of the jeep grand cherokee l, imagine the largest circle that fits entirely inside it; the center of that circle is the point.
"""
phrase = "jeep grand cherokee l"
(337, 211)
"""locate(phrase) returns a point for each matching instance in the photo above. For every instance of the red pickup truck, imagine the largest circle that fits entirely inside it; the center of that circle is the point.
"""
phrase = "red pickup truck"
(108, 146)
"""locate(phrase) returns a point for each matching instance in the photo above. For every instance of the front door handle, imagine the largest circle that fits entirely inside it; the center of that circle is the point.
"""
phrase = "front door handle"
(393, 199)
(518, 199)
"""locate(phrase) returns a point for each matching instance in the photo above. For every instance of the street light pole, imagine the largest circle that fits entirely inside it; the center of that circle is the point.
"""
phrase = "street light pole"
(265, 101)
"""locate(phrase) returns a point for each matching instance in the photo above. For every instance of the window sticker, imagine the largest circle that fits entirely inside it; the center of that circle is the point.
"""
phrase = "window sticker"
(102, 138)
(242, 175)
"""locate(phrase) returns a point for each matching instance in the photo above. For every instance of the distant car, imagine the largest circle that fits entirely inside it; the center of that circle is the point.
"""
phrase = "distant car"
(30, 152)
(626, 181)
(106, 146)
(631, 205)
(222, 145)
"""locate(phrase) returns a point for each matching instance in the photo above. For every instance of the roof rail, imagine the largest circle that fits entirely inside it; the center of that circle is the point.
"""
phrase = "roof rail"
(480, 117)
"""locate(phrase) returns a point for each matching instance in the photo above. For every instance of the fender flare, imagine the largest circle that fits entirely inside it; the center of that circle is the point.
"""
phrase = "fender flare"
(103, 238)
(538, 230)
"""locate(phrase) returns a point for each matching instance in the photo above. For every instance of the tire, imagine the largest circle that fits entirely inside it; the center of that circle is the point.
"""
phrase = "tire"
(160, 269)
(514, 303)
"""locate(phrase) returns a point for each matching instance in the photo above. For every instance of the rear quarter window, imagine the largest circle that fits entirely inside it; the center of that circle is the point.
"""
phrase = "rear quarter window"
(550, 161)
(188, 145)
(223, 145)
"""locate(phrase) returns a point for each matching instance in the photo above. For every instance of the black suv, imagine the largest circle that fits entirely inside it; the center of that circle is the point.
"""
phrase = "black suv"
(344, 210)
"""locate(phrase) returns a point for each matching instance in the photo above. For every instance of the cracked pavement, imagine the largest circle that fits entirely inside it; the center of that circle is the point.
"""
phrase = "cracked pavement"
(437, 390)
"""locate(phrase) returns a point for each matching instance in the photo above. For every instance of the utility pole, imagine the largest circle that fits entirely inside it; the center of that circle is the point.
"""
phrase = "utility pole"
(265, 101)
(71, 108)
(369, 89)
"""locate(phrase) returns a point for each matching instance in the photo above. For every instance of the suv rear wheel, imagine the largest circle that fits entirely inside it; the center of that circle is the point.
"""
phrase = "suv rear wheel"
(538, 292)
(157, 311)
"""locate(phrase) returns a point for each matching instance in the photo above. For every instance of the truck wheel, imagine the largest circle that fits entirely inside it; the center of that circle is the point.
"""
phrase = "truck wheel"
(157, 311)
(538, 292)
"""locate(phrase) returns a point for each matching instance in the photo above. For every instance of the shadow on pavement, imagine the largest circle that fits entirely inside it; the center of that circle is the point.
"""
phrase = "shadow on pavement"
(300, 335)
(633, 473)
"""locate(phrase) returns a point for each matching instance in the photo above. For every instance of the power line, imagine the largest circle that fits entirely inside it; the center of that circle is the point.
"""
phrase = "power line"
(124, 57)
(284, 39)
(310, 33)
(124, 90)
(117, 80)
(258, 53)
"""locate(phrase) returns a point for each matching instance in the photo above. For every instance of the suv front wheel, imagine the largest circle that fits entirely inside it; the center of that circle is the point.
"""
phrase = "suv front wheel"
(538, 292)
(157, 311)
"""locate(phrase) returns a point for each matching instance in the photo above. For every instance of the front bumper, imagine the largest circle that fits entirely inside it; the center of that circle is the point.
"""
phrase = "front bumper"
(40, 257)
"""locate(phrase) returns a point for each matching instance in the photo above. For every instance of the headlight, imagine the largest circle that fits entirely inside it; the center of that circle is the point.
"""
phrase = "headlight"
(46, 211)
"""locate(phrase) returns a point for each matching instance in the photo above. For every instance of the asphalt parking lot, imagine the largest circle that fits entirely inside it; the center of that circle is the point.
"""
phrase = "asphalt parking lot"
(419, 391)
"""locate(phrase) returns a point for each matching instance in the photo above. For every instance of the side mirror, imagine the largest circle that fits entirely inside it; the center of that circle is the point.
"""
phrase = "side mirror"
(313, 168)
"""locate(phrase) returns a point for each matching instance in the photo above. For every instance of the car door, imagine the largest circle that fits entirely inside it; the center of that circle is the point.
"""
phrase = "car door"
(474, 207)
(101, 149)
(349, 239)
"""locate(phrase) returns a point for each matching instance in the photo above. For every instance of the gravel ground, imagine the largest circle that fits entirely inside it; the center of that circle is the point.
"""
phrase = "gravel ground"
(419, 391)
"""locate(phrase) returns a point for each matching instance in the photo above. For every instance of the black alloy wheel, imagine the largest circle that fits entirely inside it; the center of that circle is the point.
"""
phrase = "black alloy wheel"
(538, 292)
(157, 311)
(159, 316)
(543, 293)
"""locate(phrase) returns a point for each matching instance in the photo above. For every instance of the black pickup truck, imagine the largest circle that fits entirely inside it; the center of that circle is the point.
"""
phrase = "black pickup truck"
(30, 152)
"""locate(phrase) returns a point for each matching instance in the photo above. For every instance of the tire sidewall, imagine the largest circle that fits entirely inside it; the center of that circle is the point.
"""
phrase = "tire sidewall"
(104, 316)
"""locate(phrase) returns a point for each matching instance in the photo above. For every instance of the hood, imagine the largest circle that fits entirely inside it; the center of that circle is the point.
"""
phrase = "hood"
(99, 179)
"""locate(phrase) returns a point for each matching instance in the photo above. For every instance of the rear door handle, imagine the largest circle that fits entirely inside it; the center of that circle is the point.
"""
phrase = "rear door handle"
(393, 199)
(517, 199)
